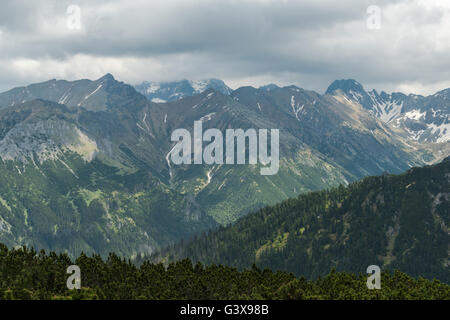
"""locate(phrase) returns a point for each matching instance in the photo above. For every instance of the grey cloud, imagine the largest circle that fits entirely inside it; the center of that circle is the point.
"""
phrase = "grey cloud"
(308, 43)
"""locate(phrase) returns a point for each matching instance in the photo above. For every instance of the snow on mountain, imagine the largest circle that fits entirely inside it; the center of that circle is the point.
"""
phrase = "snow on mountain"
(199, 86)
(172, 91)
(158, 100)
(387, 109)
(152, 87)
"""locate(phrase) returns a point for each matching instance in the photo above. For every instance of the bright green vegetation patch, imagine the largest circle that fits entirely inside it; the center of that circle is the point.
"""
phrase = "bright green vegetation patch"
(278, 243)
(5, 204)
(89, 195)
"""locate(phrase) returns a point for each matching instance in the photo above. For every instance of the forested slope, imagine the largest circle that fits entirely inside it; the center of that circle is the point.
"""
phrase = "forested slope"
(394, 221)
(26, 274)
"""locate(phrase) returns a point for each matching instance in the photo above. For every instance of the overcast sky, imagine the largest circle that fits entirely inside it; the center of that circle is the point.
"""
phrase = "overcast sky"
(244, 42)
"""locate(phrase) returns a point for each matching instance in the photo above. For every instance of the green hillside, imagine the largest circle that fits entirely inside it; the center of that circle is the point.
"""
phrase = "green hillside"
(394, 221)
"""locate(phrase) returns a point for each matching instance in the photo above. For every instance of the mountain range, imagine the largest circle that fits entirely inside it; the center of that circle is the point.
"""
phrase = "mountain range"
(85, 164)
(171, 91)
(425, 119)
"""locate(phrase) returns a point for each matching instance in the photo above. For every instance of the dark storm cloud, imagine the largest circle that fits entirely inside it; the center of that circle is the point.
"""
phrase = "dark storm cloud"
(309, 43)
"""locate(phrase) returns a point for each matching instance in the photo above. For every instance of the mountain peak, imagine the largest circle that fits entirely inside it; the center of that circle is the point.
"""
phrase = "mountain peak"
(443, 93)
(107, 76)
(216, 84)
(345, 85)
(269, 87)
(352, 90)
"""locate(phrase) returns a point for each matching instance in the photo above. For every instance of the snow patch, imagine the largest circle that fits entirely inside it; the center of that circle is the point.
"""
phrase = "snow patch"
(296, 109)
(64, 97)
(168, 161)
(90, 95)
(443, 131)
(199, 86)
(145, 123)
(207, 117)
(414, 114)
(152, 87)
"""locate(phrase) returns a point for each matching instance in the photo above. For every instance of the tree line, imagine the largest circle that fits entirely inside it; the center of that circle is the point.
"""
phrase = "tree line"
(27, 274)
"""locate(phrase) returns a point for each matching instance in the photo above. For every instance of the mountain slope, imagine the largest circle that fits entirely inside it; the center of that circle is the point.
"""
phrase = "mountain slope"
(92, 95)
(74, 178)
(394, 221)
(323, 143)
(229, 191)
(344, 133)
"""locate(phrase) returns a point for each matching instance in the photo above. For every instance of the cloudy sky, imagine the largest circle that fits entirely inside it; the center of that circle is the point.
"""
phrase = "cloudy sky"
(388, 45)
